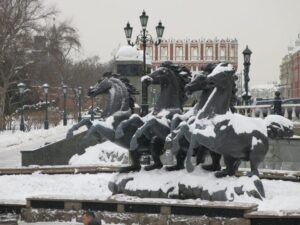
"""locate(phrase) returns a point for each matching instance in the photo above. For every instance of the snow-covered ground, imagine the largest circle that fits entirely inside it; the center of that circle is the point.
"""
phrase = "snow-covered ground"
(12, 142)
(280, 195)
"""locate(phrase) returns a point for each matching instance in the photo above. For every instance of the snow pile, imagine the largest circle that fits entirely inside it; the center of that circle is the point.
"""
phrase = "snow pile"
(105, 154)
(16, 188)
(38, 137)
(169, 182)
(131, 53)
(280, 120)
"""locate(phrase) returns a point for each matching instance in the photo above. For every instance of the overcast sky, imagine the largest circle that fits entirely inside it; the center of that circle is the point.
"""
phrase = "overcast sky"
(267, 26)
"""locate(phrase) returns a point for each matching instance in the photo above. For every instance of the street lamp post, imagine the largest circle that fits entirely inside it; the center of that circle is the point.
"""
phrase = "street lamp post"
(46, 89)
(143, 38)
(65, 90)
(79, 103)
(21, 87)
(92, 110)
(247, 55)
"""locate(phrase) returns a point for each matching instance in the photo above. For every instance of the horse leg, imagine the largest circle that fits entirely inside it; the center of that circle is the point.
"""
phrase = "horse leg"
(232, 165)
(121, 128)
(85, 122)
(176, 140)
(193, 144)
(135, 162)
(256, 156)
(180, 156)
(143, 130)
(99, 132)
(200, 154)
(156, 149)
(215, 166)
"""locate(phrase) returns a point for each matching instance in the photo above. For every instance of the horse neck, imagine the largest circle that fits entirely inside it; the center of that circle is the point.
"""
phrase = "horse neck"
(203, 97)
(218, 102)
(169, 97)
(118, 99)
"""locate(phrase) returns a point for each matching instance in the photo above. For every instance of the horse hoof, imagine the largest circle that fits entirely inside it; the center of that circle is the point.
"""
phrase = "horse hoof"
(211, 167)
(153, 167)
(221, 174)
(174, 168)
(133, 168)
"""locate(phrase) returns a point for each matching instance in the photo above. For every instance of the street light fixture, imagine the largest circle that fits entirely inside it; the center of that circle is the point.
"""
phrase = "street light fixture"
(92, 110)
(143, 38)
(21, 87)
(46, 89)
(247, 56)
(65, 91)
(79, 103)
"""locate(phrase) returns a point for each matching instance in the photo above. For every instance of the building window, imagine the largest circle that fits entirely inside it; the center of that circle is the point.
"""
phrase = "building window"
(194, 53)
(223, 53)
(149, 51)
(179, 53)
(163, 53)
(232, 53)
(209, 53)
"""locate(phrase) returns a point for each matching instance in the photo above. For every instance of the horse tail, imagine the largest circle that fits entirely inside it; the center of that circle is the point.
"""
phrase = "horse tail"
(279, 127)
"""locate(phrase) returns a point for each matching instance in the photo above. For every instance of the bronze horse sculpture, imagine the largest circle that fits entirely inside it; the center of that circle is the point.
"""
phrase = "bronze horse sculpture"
(221, 131)
(156, 125)
(119, 105)
(198, 84)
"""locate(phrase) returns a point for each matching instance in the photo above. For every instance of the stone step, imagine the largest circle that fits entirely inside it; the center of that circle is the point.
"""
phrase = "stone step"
(58, 170)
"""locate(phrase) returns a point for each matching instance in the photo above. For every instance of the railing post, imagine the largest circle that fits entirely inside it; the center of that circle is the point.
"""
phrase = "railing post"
(252, 112)
(285, 113)
(294, 113)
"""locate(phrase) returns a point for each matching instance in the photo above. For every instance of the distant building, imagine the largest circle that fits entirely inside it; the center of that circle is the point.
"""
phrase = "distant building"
(290, 72)
(194, 54)
(265, 91)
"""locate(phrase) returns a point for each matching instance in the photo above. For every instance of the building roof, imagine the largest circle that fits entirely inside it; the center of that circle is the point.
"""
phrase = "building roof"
(131, 53)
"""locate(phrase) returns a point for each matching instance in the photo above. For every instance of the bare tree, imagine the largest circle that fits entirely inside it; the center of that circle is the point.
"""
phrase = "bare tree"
(18, 20)
(62, 39)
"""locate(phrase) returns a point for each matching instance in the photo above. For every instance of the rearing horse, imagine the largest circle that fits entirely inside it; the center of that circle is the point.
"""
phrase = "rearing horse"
(232, 135)
(156, 125)
(119, 105)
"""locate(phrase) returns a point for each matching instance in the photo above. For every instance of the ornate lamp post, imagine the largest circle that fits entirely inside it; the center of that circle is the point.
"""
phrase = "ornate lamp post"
(79, 103)
(46, 89)
(21, 87)
(143, 38)
(247, 55)
(92, 111)
(65, 90)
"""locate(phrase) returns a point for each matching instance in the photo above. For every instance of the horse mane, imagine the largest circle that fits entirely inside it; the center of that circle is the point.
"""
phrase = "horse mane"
(184, 75)
(209, 68)
(124, 82)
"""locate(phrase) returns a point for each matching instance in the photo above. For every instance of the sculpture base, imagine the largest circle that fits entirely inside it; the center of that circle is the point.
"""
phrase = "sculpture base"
(199, 184)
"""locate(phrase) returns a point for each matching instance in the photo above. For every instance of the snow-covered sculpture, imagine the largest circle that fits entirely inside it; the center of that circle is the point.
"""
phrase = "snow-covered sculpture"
(231, 135)
(156, 125)
(119, 105)
(199, 86)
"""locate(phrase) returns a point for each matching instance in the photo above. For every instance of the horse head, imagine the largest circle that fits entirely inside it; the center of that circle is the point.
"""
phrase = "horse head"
(222, 76)
(172, 79)
(198, 83)
(104, 85)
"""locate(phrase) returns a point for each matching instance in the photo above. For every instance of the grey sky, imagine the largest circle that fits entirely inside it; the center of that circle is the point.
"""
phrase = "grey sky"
(267, 26)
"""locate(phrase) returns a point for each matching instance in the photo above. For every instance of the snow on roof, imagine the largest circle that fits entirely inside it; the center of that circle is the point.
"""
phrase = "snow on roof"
(263, 86)
(131, 53)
